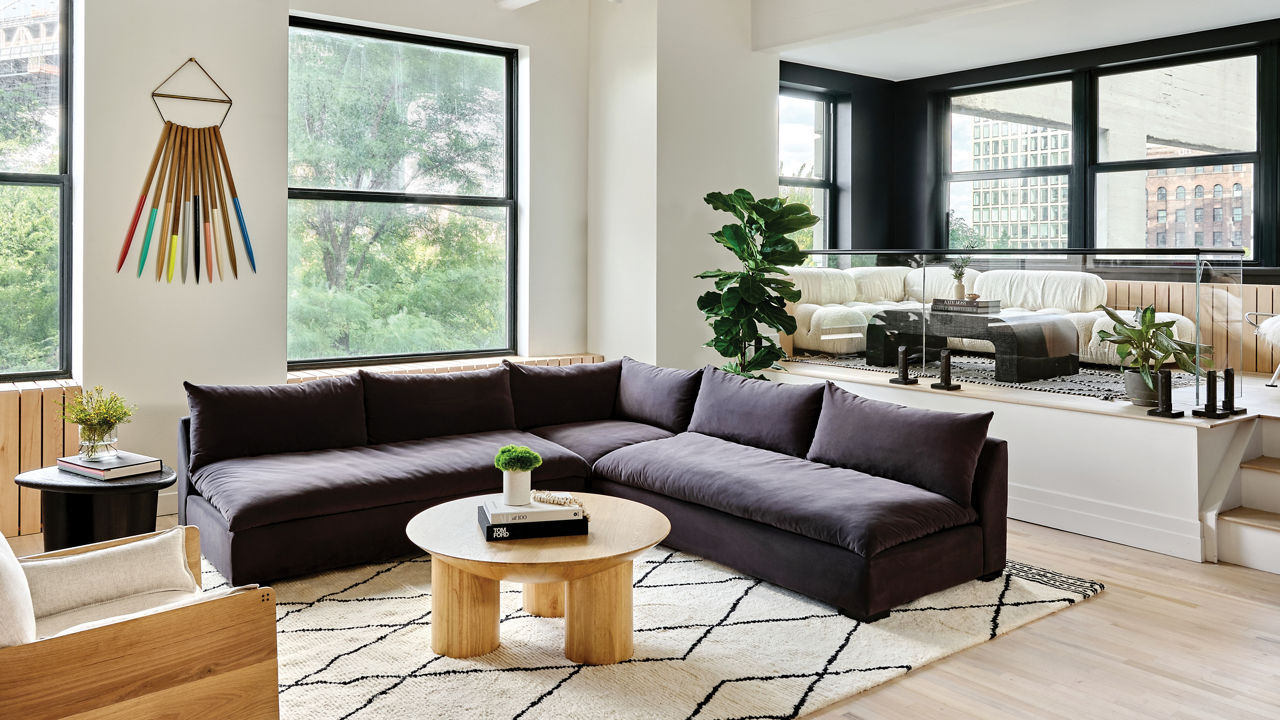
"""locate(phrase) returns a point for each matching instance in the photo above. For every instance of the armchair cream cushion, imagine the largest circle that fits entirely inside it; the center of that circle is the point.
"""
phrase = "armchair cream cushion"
(152, 565)
(17, 617)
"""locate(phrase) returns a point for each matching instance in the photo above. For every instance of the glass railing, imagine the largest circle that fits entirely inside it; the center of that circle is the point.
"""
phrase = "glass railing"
(1030, 319)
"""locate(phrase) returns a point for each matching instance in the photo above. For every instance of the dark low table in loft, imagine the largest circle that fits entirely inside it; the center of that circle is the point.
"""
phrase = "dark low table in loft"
(79, 510)
(1028, 347)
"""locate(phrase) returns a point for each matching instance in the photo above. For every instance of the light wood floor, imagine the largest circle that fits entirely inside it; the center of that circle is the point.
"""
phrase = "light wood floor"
(1168, 638)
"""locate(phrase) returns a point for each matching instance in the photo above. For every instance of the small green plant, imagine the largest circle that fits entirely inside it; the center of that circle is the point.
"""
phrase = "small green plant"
(516, 458)
(97, 412)
(757, 293)
(961, 262)
(1146, 345)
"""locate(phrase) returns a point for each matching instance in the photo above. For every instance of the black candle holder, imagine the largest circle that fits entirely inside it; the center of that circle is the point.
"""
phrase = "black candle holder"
(1229, 393)
(904, 375)
(944, 373)
(1210, 409)
(1164, 394)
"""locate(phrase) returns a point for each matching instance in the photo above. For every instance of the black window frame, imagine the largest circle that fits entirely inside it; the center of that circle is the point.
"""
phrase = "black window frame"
(62, 181)
(1261, 40)
(827, 183)
(508, 200)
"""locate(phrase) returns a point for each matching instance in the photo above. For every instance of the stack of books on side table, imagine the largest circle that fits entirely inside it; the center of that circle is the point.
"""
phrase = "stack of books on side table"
(973, 307)
(535, 520)
(123, 464)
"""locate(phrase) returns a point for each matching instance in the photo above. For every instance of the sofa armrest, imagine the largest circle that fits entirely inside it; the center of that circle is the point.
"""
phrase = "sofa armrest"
(192, 547)
(183, 468)
(210, 659)
(991, 501)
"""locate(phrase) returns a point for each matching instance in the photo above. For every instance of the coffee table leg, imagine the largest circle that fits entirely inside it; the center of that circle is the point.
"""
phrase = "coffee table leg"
(544, 599)
(598, 617)
(464, 615)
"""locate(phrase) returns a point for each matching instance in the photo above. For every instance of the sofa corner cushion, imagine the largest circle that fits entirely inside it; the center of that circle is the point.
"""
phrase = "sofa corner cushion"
(656, 395)
(594, 439)
(934, 450)
(230, 421)
(17, 616)
(559, 394)
(759, 413)
(412, 407)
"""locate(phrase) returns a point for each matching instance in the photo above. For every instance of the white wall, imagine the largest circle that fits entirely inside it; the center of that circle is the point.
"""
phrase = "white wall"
(139, 337)
(715, 104)
(143, 339)
(622, 195)
(717, 131)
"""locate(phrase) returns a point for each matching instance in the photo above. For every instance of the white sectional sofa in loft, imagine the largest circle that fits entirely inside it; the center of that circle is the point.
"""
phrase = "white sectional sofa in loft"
(836, 306)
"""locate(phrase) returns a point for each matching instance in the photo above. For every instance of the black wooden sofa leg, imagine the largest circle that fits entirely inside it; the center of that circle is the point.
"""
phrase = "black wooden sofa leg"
(991, 576)
(868, 619)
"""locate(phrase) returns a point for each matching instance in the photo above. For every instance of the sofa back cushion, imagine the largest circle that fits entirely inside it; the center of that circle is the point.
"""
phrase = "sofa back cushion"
(823, 286)
(17, 617)
(936, 281)
(880, 284)
(1068, 290)
(934, 450)
(657, 396)
(558, 394)
(230, 421)
(759, 413)
(413, 407)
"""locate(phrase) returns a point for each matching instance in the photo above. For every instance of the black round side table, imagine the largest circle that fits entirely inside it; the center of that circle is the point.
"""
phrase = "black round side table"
(79, 510)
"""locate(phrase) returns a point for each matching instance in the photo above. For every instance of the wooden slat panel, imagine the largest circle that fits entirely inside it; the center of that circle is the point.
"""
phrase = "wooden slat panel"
(10, 438)
(1233, 317)
(30, 454)
(1148, 294)
(1248, 340)
(1262, 349)
(70, 432)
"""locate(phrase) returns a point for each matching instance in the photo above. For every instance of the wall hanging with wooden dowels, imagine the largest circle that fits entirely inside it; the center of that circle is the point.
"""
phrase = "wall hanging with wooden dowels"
(191, 188)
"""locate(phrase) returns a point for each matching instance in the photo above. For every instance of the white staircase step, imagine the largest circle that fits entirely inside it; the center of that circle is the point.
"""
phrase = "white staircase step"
(1260, 483)
(1250, 537)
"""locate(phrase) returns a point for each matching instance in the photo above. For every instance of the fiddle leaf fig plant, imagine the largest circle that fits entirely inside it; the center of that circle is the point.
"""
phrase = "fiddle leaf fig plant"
(1146, 346)
(756, 293)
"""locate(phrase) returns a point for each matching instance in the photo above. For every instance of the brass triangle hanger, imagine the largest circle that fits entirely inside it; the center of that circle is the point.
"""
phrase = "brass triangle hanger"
(225, 99)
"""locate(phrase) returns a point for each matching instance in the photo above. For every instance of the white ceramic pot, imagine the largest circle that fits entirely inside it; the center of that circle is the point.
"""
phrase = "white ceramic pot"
(516, 487)
(958, 291)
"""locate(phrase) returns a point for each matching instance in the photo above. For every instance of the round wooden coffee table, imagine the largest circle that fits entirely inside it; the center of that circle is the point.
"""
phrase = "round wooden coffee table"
(585, 578)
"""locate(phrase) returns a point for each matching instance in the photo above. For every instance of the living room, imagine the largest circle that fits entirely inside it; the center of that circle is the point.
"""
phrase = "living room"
(1011, 451)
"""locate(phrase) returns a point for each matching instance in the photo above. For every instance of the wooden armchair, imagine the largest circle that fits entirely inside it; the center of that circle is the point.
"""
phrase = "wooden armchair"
(213, 658)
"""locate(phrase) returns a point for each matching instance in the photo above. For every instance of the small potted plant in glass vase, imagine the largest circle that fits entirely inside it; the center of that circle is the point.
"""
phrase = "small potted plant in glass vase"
(1145, 346)
(516, 463)
(98, 413)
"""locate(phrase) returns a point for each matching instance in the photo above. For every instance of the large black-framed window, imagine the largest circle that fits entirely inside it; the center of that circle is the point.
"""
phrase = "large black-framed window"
(807, 160)
(1150, 140)
(402, 196)
(35, 190)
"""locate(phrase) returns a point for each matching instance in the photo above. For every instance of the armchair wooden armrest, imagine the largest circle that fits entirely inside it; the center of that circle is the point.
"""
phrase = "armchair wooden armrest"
(210, 659)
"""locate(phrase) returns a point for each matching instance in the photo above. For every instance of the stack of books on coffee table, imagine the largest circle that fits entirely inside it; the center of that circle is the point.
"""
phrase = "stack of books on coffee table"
(971, 307)
(535, 520)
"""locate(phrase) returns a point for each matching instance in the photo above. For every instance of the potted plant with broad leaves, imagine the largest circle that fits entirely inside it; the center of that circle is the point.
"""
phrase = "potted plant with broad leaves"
(1145, 346)
(757, 293)
(516, 463)
(98, 413)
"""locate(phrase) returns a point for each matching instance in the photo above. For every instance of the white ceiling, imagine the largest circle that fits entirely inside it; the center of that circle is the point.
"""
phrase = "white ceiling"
(907, 39)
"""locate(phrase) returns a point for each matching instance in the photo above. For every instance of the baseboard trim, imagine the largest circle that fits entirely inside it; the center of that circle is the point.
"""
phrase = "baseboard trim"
(1107, 521)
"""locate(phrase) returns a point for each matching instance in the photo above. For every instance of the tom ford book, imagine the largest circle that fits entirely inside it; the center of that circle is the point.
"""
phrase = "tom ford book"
(495, 532)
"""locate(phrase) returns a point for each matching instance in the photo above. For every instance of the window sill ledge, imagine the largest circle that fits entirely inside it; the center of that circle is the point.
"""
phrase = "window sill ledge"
(444, 366)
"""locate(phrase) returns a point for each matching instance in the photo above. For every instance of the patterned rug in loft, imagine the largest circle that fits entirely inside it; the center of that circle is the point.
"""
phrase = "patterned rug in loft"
(710, 643)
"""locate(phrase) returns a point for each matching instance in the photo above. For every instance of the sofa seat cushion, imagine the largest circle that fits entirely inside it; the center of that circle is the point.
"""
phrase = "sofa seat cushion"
(256, 491)
(846, 508)
(593, 440)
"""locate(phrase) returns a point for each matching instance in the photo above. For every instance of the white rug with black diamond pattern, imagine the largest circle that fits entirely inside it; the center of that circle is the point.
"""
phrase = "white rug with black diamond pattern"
(710, 643)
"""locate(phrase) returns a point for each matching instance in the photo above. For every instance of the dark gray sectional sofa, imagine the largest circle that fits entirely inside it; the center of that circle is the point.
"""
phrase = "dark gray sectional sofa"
(857, 503)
